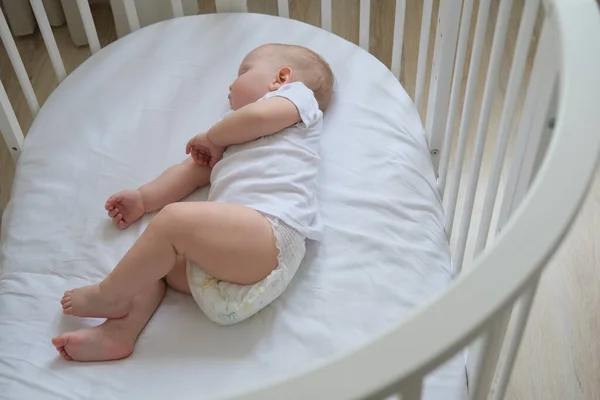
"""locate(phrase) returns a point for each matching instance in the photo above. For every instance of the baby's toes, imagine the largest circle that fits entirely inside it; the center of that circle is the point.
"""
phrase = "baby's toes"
(66, 356)
(67, 308)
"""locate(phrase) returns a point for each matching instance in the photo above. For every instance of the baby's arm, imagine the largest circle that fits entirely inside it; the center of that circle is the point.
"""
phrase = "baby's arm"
(174, 184)
(250, 122)
(127, 206)
(253, 121)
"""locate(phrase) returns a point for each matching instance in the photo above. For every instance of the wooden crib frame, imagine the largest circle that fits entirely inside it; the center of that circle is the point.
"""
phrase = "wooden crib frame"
(554, 157)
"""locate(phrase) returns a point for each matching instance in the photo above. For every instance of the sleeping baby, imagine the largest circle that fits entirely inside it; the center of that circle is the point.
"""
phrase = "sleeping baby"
(238, 251)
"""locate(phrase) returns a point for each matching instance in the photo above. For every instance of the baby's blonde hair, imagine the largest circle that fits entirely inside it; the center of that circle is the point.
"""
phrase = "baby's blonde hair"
(307, 67)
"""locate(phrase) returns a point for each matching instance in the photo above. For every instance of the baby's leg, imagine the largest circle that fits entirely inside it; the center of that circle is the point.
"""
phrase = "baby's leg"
(177, 277)
(231, 242)
(115, 338)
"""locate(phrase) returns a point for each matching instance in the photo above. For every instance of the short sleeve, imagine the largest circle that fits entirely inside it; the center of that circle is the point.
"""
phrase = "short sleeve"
(227, 114)
(304, 100)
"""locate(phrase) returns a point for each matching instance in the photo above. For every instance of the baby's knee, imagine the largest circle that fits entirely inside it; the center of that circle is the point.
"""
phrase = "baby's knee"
(169, 217)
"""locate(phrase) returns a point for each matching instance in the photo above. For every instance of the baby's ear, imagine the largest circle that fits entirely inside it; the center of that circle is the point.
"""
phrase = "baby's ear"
(283, 76)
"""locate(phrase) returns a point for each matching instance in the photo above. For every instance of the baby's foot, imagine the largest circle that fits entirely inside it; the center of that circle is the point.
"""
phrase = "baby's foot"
(100, 343)
(89, 301)
(126, 207)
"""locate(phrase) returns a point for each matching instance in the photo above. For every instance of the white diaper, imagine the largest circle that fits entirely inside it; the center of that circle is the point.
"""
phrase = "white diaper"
(227, 303)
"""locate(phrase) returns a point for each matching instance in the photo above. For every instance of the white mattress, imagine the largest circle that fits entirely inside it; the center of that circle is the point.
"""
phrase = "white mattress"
(123, 117)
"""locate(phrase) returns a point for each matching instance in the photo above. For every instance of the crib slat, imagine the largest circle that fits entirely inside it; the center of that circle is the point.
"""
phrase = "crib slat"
(364, 24)
(487, 358)
(412, 389)
(17, 63)
(131, 14)
(489, 92)
(398, 37)
(508, 111)
(326, 14)
(88, 25)
(465, 122)
(540, 94)
(177, 8)
(9, 126)
(446, 36)
(463, 38)
(423, 50)
(48, 36)
(231, 6)
(522, 315)
(283, 8)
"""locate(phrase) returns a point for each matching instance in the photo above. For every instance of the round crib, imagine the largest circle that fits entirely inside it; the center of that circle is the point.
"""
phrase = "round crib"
(553, 156)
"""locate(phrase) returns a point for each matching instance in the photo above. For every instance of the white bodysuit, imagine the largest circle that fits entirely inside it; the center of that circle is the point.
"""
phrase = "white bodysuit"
(277, 176)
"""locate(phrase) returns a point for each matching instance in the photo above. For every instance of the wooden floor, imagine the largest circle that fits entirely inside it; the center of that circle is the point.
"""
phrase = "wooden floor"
(560, 354)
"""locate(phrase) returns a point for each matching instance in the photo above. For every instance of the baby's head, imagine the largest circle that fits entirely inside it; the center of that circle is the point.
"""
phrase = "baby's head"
(267, 68)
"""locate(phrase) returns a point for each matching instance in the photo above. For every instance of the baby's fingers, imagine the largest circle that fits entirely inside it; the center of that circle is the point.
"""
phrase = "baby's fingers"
(203, 159)
(114, 199)
(194, 153)
(198, 156)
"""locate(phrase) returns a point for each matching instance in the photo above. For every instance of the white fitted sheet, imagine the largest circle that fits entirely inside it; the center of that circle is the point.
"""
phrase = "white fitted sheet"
(123, 117)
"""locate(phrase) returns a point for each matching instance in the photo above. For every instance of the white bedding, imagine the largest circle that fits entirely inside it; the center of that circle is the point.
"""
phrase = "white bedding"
(123, 117)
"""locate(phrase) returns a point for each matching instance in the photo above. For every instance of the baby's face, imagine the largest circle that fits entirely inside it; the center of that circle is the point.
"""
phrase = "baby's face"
(255, 79)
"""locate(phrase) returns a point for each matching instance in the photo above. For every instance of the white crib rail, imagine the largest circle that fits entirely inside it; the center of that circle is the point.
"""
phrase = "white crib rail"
(508, 111)
(133, 20)
(423, 50)
(9, 126)
(508, 270)
(231, 6)
(283, 8)
(88, 25)
(398, 37)
(489, 92)
(17, 63)
(44, 25)
(326, 14)
(461, 51)
(524, 307)
(364, 24)
(465, 122)
(441, 75)
(177, 8)
(507, 267)
(530, 132)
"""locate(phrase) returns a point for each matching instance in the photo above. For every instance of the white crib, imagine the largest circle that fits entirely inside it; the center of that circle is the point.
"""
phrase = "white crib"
(555, 151)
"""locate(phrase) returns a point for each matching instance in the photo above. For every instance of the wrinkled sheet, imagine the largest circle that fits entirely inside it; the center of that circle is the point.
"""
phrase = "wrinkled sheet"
(122, 118)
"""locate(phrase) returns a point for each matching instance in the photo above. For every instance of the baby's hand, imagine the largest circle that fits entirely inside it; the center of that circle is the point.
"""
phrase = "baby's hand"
(203, 151)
